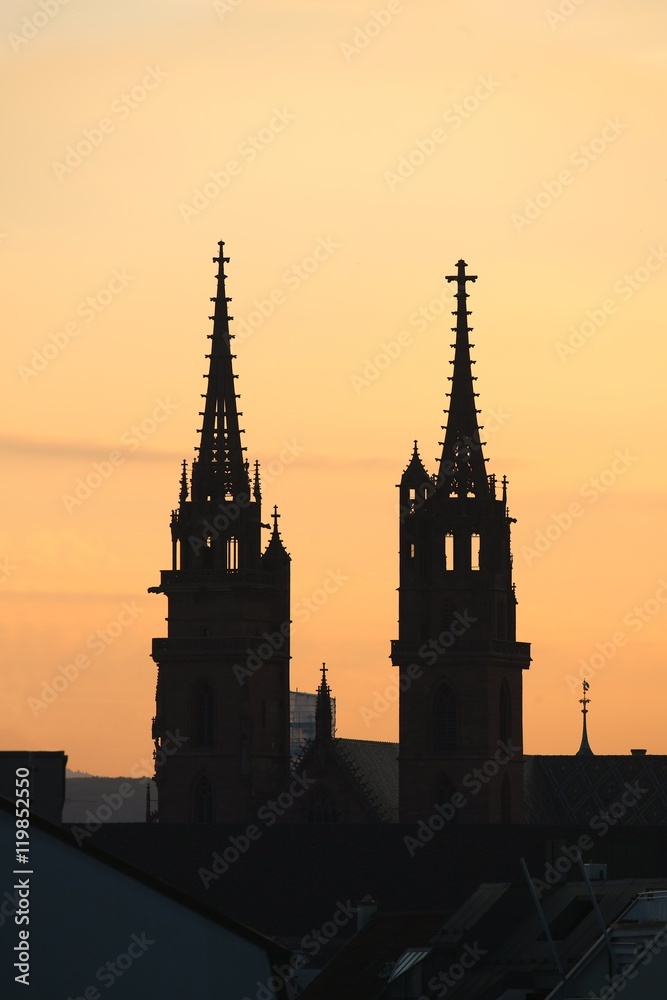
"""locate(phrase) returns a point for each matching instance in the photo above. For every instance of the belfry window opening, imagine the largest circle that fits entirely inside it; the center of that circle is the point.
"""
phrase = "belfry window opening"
(232, 554)
(474, 552)
(449, 551)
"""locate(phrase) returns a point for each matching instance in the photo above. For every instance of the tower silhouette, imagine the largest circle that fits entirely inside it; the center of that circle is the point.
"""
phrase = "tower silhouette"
(222, 700)
(460, 664)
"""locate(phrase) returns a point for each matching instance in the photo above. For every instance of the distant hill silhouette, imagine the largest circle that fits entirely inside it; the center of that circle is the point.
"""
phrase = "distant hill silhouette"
(90, 799)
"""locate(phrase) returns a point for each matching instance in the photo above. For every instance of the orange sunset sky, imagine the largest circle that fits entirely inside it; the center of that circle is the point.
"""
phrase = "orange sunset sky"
(393, 139)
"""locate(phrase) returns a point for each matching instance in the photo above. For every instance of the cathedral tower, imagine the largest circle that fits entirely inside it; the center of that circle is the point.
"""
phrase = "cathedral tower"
(221, 728)
(460, 664)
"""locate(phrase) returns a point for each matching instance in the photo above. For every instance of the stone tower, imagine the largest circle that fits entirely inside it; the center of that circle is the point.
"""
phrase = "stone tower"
(221, 727)
(460, 664)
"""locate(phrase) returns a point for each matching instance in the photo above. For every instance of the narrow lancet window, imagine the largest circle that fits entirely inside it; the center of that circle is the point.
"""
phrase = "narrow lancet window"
(474, 552)
(449, 550)
(232, 554)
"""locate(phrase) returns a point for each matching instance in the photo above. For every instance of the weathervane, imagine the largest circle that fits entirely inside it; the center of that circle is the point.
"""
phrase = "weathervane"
(585, 748)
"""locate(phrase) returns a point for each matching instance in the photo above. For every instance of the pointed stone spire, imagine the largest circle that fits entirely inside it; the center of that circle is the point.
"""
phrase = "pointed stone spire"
(415, 471)
(323, 709)
(462, 470)
(220, 472)
(585, 749)
(183, 495)
(257, 486)
(275, 549)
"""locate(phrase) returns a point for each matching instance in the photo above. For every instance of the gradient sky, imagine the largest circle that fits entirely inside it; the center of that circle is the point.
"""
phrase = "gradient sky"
(396, 138)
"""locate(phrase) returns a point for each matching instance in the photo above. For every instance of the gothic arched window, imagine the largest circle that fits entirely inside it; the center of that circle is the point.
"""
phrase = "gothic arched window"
(445, 722)
(203, 716)
(202, 800)
(505, 713)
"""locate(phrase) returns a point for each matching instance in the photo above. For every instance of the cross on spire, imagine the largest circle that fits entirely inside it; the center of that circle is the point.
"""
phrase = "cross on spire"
(461, 277)
(324, 720)
(275, 517)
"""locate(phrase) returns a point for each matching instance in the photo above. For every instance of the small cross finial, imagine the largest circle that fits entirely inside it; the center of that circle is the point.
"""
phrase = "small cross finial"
(461, 277)
(275, 516)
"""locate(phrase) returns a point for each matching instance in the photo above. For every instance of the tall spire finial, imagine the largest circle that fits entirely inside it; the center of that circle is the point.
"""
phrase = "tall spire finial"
(183, 495)
(275, 517)
(257, 486)
(462, 470)
(220, 472)
(324, 716)
(584, 749)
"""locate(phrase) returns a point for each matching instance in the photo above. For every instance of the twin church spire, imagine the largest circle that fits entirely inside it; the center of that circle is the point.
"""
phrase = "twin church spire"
(220, 471)
(462, 470)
